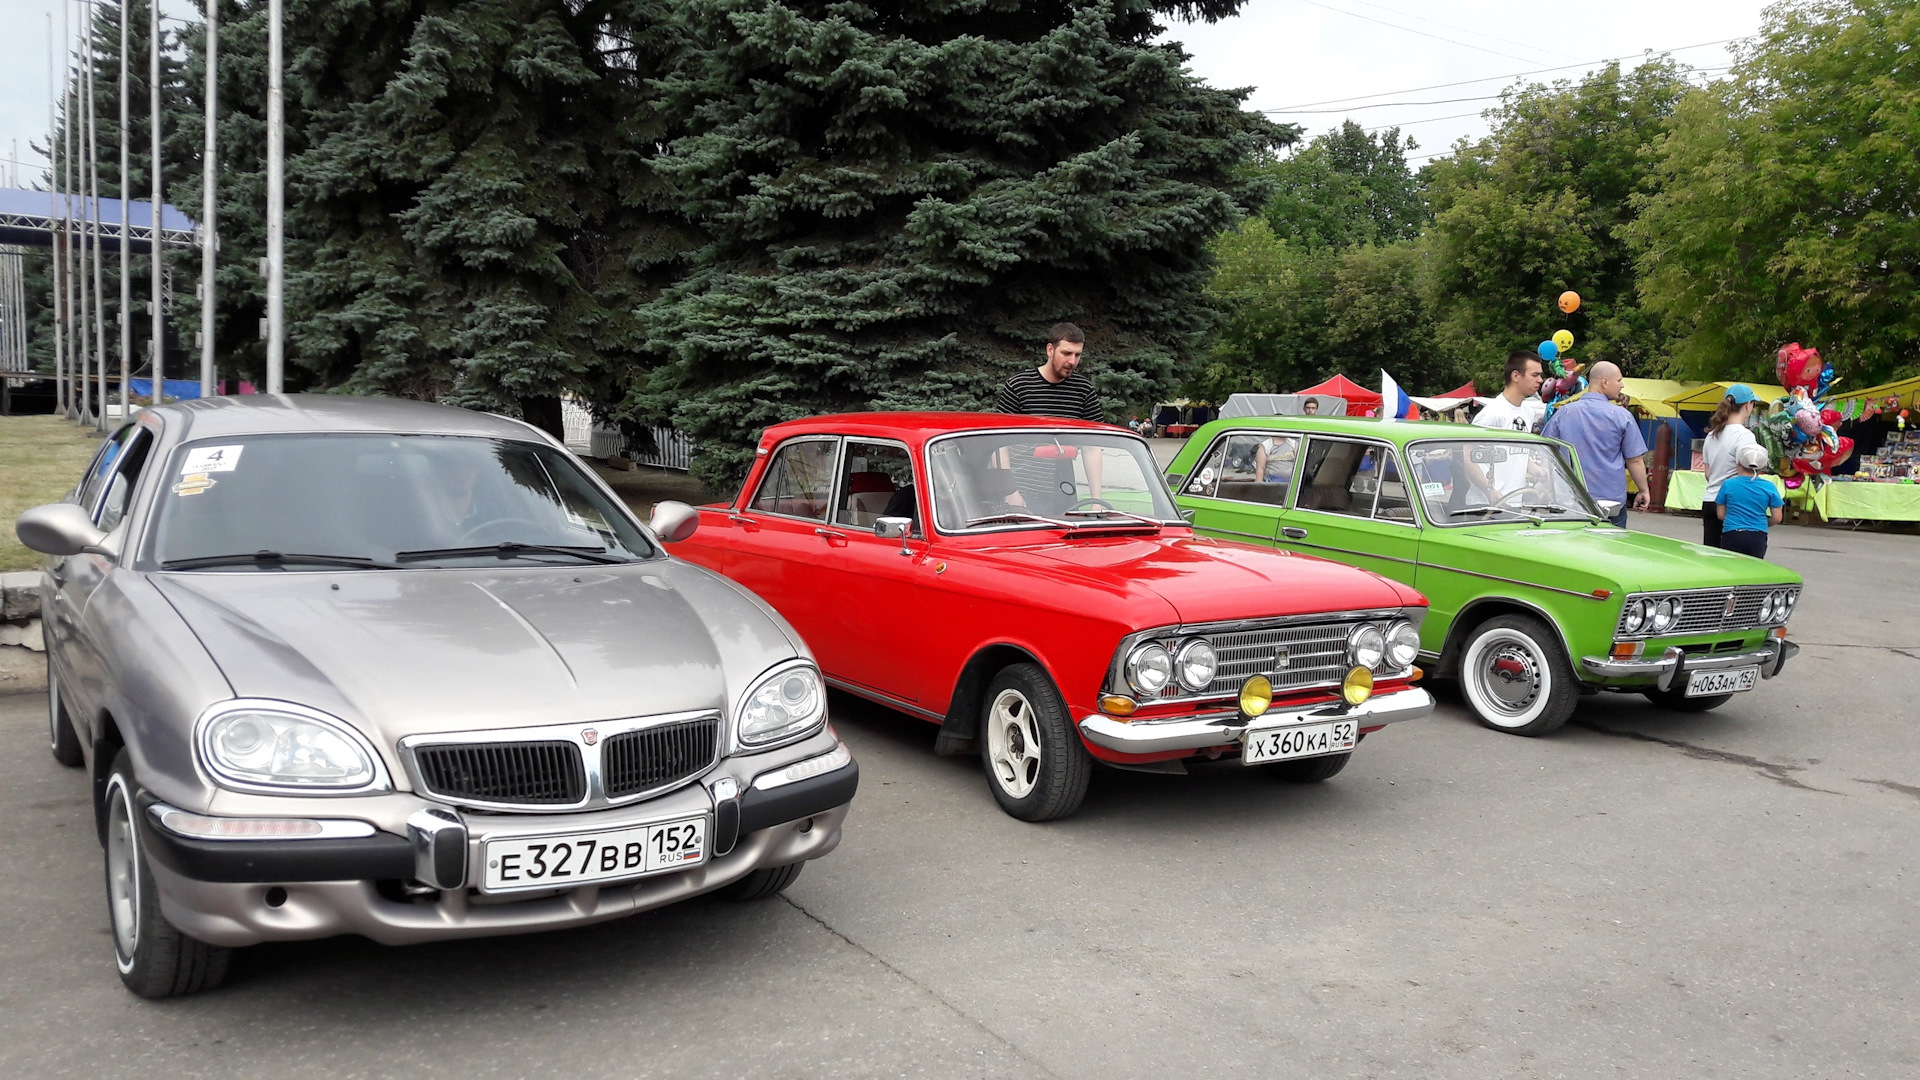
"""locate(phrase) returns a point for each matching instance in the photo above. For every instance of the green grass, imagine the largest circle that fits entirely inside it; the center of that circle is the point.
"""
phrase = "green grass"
(41, 458)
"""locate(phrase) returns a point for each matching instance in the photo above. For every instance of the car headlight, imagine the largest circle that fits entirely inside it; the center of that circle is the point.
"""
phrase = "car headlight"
(1195, 664)
(1788, 599)
(1773, 607)
(1665, 611)
(785, 703)
(1403, 645)
(275, 745)
(1149, 669)
(1366, 647)
(1635, 616)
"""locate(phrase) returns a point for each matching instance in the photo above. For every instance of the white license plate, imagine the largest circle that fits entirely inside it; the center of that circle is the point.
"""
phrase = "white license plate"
(1704, 683)
(546, 862)
(1298, 740)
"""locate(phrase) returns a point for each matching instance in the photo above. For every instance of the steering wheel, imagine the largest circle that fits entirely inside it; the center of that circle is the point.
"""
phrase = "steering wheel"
(470, 533)
(1085, 502)
(1514, 494)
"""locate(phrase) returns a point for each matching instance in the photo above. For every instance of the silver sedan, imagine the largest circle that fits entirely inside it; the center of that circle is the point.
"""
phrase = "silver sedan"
(345, 665)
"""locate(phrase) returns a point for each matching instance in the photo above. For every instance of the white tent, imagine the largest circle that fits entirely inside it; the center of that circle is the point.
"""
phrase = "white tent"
(1280, 405)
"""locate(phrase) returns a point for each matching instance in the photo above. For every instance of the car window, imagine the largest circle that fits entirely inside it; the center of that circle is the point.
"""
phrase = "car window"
(1248, 467)
(799, 480)
(101, 470)
(1340, 477)
(1469, 480)
(1392, 504)
(876, 480)
(1020, 479)
(120, 487)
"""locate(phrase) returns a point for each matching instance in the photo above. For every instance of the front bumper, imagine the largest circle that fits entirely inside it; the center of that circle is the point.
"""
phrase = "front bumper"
(1671, 667)
(1222, 729)
(218, 890)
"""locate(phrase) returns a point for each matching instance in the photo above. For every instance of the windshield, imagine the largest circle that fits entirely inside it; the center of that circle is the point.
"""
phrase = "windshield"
(1031, 478)
(1468, 480)
(306, 502)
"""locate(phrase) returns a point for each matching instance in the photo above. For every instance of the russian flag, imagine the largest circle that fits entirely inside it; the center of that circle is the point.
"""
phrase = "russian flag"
(1395, 404)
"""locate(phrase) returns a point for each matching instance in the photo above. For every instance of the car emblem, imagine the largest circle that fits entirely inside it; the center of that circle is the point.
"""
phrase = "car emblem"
(589, 736)
(1281, 660)
(1729, 612)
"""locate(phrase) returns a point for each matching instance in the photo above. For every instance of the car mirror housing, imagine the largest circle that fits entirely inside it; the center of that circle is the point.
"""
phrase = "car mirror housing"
(673, 522)
(892, 528)
(60, 529)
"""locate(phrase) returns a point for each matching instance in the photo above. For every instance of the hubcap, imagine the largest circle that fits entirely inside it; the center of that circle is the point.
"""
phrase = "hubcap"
(1510, 673)
(1013, 744)
(123, 880)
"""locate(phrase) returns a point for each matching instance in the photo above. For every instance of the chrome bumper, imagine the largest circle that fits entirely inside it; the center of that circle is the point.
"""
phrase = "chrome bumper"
(1221, 729)
(1670, 668)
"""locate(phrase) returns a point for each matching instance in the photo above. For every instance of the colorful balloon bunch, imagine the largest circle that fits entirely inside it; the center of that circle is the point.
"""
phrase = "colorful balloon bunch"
(1564, 379)
(1803, 428)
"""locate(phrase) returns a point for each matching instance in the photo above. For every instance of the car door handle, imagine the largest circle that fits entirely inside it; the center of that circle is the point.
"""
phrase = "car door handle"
(1293, 532)
(831, 535)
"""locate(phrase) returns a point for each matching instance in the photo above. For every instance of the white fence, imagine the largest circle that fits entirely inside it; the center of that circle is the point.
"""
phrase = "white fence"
(673, 450)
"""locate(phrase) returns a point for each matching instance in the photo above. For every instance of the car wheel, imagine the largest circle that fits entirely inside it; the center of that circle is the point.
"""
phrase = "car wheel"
(1515, 676)
(1037, 767)
(1310, 770)
(60, 734)
(1678, 701)
(155, 959)
(763, 883)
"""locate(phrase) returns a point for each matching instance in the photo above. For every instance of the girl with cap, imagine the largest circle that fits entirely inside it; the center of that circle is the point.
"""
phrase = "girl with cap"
(1726, 434)
(1747, 504)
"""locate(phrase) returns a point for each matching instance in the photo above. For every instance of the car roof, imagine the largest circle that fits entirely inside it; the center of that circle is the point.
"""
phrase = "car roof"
(1399, 432)
(275, 414)
(920, 426)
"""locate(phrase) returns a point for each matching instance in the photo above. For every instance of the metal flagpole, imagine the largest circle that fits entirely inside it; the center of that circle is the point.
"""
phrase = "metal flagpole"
(276, 207)
(82, 88)
(53, 212)
(209, 235)
(93, 191)
(68, 101)
(126, 204)
(155, 315)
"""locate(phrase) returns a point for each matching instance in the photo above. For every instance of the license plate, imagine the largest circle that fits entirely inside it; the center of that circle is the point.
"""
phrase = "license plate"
(545, 862)
(1704, 683)
(1299, 740)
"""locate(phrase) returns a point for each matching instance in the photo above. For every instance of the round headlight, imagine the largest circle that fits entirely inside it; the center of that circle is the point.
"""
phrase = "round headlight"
(784, 703)
(1195, 665)
(1367, 647)
(1662, 614)
(272, 748)
(1792, 597)
(1256, 695)
(1403, 645)
(1634, 617)
(1773, 607)
(1149, 669)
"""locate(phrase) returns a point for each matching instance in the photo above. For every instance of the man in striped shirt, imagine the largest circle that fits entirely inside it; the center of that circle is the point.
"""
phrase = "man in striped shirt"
(1055, 388)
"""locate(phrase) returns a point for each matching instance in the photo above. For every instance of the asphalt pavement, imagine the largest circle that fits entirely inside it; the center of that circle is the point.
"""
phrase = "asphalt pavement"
(1640, 894)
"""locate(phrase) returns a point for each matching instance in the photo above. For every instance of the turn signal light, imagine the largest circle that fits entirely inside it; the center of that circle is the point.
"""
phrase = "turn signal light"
(1625, 650)
(1358, 686)
(1418, 674)
(1115, 705)
(1256, 696)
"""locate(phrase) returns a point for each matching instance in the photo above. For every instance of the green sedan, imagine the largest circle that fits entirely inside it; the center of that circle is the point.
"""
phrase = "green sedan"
(1536, 597)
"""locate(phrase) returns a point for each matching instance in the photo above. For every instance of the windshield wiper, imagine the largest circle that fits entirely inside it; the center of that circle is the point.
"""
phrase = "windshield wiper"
(1130, 517)
(352, 562)
(508, 550)
(1556, 508)
(1018, 517)
(1464, 511)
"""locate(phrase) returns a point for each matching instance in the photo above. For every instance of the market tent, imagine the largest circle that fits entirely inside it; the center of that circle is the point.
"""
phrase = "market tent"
(1904, 389)
(1650, 395)
(1705, 397)
(1355, 395)
(1445, 403)
(1464, 391)
(1279, 405)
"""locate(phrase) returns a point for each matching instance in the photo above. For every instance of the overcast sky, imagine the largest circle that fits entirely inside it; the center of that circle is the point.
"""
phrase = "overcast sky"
(1312, 62)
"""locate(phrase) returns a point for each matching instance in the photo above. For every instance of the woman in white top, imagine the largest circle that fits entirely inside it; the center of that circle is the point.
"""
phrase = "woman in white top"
(1726, 434)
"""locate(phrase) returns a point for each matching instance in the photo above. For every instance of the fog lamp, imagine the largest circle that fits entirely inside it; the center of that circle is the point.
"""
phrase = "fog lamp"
(1256, 695)
(1358, 686)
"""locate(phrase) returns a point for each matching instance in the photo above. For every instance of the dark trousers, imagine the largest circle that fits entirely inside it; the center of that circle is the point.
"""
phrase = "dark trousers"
(1710, 525)
(1745, 541)
(1620, 518)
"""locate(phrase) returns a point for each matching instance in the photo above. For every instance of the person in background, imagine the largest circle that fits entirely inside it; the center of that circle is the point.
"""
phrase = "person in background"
(1747, 504)
(1607, 439)
(1518, 407)
(1726, 434)
(1310, 407)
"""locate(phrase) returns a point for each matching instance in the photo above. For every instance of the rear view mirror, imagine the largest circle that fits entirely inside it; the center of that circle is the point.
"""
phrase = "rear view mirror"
(59, 529)
(1488, 455)
(673, 522)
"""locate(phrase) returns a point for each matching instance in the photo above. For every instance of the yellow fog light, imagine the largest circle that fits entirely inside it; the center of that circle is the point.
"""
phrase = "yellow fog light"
(1256, 695)
(1358, 686)
(1115, 705)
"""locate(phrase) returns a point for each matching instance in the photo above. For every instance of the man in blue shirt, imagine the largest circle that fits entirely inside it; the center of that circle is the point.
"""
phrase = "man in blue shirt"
(1606, 438)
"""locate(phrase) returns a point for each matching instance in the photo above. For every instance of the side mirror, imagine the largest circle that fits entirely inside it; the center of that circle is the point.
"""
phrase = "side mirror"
(673, 522)
(1608, 508)
(894, 528)
(1189, 513)
(60, 529)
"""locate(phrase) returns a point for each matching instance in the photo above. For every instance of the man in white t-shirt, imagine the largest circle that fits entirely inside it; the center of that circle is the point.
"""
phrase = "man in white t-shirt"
(1518, 407)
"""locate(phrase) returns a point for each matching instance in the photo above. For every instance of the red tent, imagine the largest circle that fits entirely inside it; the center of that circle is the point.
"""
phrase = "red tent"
(1466, 391)
(1358, 397)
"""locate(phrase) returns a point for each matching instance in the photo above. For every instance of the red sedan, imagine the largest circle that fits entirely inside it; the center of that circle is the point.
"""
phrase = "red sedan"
(1029, 585)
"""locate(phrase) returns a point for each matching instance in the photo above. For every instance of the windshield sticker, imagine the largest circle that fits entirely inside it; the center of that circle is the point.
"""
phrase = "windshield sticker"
(195, 484)
(1433, 490)
(211, 459)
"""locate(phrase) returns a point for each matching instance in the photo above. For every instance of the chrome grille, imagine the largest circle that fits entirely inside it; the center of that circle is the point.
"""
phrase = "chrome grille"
(1704, 611)
(530, 773)
(1316, 656)
(637, 761)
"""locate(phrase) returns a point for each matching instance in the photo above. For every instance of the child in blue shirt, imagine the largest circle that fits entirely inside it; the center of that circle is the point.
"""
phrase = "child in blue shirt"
(1747, 504)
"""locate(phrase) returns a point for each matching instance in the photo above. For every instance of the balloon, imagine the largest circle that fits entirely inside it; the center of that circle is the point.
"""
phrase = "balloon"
(1807, 421)
(1793, 482)
(1830, 417)
(1547, 350)
(1563, 340)
(1569, 301)
(1798, 367)
(1557, 367)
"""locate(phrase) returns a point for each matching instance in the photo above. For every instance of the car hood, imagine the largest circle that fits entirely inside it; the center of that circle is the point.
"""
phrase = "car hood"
(405, 652)
(1214, 581)
(1584, 558)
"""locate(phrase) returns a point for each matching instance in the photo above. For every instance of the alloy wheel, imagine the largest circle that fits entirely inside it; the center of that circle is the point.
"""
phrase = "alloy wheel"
(1013, 743)
(123, 874)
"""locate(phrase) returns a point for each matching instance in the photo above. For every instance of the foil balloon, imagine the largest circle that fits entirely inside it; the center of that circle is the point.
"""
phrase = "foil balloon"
(1569, 301)
(1563, 340)
(1830, 417)
(1798, 367)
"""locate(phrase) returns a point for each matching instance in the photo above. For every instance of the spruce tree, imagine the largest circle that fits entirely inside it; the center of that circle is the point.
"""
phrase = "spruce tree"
(899, 198)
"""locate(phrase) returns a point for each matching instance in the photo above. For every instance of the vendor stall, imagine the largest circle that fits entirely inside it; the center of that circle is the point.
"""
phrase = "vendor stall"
(1358, 398)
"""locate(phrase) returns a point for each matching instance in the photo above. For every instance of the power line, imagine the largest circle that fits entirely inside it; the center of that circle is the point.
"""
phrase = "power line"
(1446, 101)
(1492, 78)
(1411, 30)
(1462, 29)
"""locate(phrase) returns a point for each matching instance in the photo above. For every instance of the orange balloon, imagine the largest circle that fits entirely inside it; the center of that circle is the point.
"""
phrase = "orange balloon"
(1569, 301)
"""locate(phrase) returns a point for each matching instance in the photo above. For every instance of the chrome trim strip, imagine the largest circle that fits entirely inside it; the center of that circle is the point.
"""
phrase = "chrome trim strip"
(881, 697)
(805, 769)
(1516, 581)
(1230, 532)
(1357, 554)
(1768, 658)
(330, 828)
(590, 757)
(1223, 729)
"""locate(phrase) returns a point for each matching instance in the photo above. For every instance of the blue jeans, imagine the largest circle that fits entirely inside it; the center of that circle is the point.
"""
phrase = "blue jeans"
(1620, 518)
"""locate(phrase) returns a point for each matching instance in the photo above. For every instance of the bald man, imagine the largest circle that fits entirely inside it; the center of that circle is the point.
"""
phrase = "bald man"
(1607, 439)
